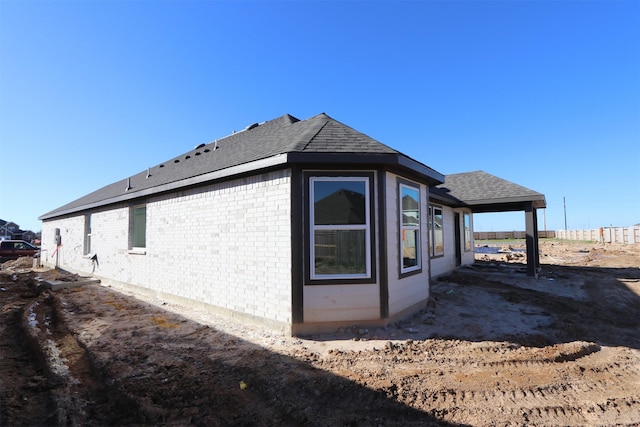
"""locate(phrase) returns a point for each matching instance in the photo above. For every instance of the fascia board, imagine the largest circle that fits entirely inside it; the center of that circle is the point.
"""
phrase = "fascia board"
(278, 160)
(505, 200)
(420, 168)
(390, 159)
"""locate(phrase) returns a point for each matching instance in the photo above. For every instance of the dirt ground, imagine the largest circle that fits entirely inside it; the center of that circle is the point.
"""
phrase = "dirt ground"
(493, 348)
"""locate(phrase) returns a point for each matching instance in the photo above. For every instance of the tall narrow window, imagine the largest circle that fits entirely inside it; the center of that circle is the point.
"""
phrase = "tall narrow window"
(340, 224)
(409, 228)
(139, 227)
(467, 231)
(436, 230)
(87, 234)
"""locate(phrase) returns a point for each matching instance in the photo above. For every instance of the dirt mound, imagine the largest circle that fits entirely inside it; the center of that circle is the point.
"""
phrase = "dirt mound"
(494, 347)
(18, 264)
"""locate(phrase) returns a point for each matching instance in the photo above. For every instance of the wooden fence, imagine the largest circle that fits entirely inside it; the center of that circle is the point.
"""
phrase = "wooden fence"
(609, 235)
(501, 235)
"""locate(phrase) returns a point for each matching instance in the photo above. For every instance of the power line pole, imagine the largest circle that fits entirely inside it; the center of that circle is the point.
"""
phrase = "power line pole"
(564, 201)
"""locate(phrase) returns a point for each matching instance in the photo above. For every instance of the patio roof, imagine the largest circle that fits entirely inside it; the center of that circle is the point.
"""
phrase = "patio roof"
(483, 192)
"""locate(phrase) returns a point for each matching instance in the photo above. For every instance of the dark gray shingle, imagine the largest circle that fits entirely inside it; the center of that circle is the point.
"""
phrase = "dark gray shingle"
(479, 188)
(284, 135)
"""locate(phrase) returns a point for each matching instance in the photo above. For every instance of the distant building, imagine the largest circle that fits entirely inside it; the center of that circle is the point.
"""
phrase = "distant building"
(11, 231)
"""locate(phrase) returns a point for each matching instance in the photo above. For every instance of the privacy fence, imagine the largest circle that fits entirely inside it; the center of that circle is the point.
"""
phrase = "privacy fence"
(500, 235)
(606, 234)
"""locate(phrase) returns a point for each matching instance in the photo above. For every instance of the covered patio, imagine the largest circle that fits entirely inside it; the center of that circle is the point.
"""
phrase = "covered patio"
(482, 193)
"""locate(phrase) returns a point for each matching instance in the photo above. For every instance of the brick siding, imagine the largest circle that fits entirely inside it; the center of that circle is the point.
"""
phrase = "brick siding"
(227, 245)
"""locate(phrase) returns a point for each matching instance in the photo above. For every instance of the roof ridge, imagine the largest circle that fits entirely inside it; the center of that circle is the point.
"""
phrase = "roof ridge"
(326, 122)
(307, 136)
(288, 118)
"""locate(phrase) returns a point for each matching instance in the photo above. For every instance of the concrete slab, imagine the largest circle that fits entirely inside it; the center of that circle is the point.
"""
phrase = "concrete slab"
(55, 285)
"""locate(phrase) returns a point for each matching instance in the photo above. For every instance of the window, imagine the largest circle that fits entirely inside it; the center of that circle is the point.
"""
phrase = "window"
(436, 230)
(87, 234)
(409, 209)
(340, 227)
(467, 231)
(138, 234)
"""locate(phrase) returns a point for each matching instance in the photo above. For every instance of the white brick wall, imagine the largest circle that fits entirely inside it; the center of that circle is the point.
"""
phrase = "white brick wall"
(227, 245)
(71, 251)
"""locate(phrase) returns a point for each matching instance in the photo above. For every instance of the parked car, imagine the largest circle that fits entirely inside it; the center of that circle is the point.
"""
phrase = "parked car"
(13, 249)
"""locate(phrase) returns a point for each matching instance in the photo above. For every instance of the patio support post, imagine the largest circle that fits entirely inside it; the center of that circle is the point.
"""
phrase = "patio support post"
(533, 252)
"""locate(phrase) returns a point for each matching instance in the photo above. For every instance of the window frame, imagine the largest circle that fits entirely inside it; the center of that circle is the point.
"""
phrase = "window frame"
(432, 231)
(87, 234)
(313, 278)
(134, 249)
(466, 226)
(402, 229)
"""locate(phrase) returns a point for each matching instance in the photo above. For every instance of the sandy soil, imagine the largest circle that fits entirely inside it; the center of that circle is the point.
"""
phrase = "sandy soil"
(493, 348)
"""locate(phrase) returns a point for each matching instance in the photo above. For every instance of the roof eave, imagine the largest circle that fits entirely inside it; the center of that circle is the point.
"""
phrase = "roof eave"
(268, 162)
(431, 176)
(446, 200)
(391, 159)
(435, 178)
(506, 203)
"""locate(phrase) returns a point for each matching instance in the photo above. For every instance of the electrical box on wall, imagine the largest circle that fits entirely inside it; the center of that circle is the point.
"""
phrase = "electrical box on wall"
(58, 237)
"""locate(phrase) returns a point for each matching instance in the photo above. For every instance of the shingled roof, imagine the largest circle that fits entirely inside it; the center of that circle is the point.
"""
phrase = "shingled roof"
(484, 192)
(275, 143)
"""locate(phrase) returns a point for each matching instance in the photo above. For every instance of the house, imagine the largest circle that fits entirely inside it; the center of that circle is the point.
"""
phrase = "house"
(10, 230)
(30, 236)
(298, 225)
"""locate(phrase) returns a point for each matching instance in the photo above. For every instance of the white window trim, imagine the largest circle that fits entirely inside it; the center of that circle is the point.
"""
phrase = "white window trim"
(313, 228)
(403, 227)
(137, 251)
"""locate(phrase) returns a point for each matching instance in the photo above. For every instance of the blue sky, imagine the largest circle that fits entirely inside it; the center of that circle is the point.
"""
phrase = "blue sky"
(545, 94)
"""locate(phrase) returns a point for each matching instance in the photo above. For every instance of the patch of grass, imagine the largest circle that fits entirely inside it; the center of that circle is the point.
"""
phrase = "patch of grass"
(556, 239)
(162, 322)
(115, 304)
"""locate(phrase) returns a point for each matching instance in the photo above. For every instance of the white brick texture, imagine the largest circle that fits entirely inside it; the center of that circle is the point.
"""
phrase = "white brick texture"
(227, 245)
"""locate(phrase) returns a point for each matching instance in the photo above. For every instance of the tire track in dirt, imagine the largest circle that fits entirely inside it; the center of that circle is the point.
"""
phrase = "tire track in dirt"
(563, 384)
(139, 364)
(25, 390)
(178, 371)
(79, 394)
